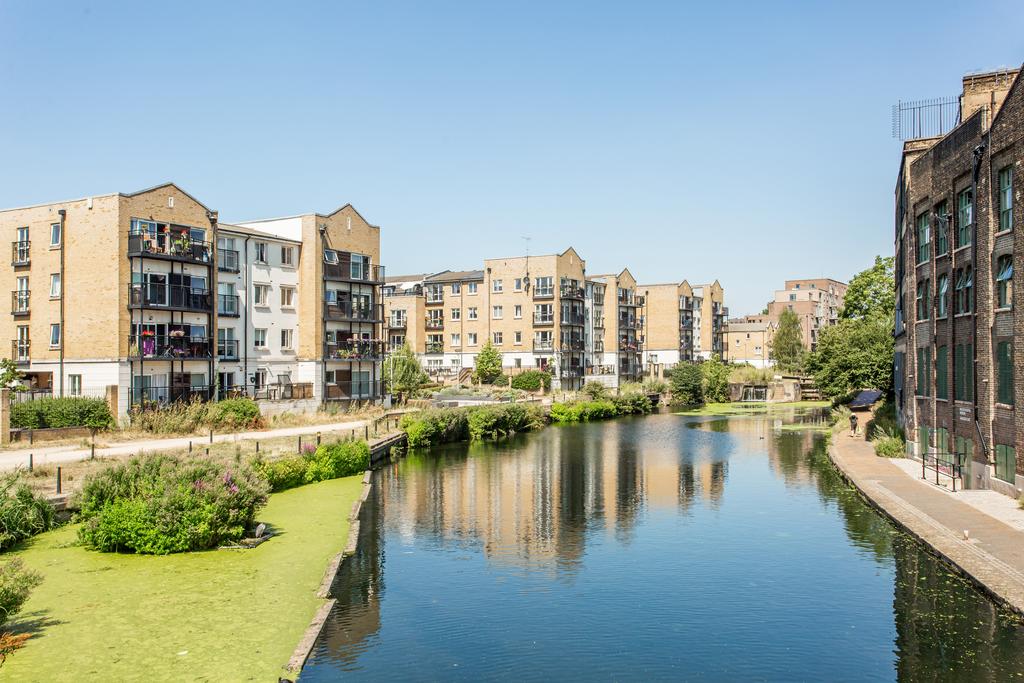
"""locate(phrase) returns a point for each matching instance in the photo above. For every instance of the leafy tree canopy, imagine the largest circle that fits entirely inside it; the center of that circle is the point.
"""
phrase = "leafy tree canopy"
(872, 291)
(855, 354)
(687, 384)
(488, 364)
(402, 371)
(715, 374)
(788, 350)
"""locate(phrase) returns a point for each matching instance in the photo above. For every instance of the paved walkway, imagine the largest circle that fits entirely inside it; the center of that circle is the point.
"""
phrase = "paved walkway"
(12, 459)
(993, 552)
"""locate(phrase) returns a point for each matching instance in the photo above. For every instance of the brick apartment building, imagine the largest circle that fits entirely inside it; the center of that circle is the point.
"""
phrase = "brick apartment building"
(684, 324)
(148, 292)
(957, 376)
(816, 302)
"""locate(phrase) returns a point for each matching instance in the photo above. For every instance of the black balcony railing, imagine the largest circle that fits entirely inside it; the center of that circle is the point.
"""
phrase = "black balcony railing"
(348, 272)
(19, 302)
(570, 371)
(545, 346)
(435, 347)
(227, 260)
(600, 370)
(599, 347)
(174, 246)
(397, 323)
(152, 397)
(170, 347)
(20, 350)
(541, 319)
(227, 305)
(571, 292)
(227, 349)
(575, 320)
(435, 323)
(170, 296)
(345, 310)
(599, 323)
(572, 345)
(354, 350)
(354, 390)
(269, 391)
(20, 253)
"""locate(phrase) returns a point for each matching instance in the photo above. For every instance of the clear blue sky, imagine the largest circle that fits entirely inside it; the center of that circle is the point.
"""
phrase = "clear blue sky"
(744, 143)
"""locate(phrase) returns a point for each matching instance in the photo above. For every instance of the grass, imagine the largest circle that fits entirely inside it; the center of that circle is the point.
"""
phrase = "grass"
(222, 615)
(747, 408)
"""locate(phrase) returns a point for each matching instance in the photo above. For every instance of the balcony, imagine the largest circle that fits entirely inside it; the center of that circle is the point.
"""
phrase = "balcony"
(20, 351)
(600, 370)
(434, 297)
(435, 323)
(156, 396)
(435, 347)
(543, 319)
(19, 303)
(350, 272)
(170, 347)
(357, 390)
(227, 260)
(20, 253)
(544, 346)
(177, 297)
(170, 246)
(686, 323)
(396, 323)
(354, 350)
(227, 305)
(271, 391)
(630, 346)
(227, 349)
(598, 347)
(573, 320)
(572, 346)
(544, 293)
(345, 311)
(571, 292)
(631, 323)
(570, 371)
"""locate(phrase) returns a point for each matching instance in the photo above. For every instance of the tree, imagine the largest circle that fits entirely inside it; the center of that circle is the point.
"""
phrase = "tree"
(687, 384)
(872, 291)
(787, 345)
(488, 364)
(715, 376)
(855, 354)
(402, 371)
(8, 372)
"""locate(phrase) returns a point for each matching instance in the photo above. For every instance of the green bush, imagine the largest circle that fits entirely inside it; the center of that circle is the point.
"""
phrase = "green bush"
(532, 380)
(632, 403)
(73, 411)
(16, 583)
(687, 383)
(22, 512)
(496, 421)
(435, 426)
(890, 447)
(595, 390)
(160, 504)
(284, 473)
(234, 413)
(653, 385)
(338, 460)
(583, 411)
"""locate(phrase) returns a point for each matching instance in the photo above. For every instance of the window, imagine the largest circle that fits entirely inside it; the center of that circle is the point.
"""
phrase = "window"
(260, 252)
(55, 234)
(1004, 281)
(517, 284)
(259, 338)
(456, 340)
(1006, 199)
(517, 312)
(471, 338)
(922, 299)
(456, 314)
(942, 440)
(359, 266)
(496, 286)
(942, 373)
(55, 335)
(924, 365)
(518, 337)
(942, 297)
(330, 256)
(261, 295)
(792, 297)
(922, 438)
(55, 285)
(1006, 462)
(963, 372)
(964, 294)
(942, 230)
(544, 286)
(456, 287)
(965, 217)
(472, 287)
(75, 385)
(286, 338)
(924, 238)
(287, 256)
(496, 312)
(543, 314)
(1004, 372)
(471, 313)
(497, 338)
(287, 297)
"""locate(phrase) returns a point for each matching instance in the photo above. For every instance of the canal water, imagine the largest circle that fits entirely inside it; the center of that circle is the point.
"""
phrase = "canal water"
(666, 547)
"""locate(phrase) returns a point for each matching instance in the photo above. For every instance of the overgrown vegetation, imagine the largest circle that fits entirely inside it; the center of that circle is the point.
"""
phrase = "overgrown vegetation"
(885, 432)
(403, 373)
(653, 385)
(326, 461)
(193, 416)
(497, 421)
(159, 504)
(23, 513)
(447, 425)
(687, 385)
(748, 374)
(435, 426)
(715, 377)
(630, 402)
(532, 380)
(16, 583)
(595, 390)
(72, 411)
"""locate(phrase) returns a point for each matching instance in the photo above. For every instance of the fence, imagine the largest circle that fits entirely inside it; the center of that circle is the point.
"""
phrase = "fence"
(925, 118)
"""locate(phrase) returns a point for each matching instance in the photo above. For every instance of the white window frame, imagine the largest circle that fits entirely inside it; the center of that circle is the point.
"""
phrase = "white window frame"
(456, 314)
(259, 335)
(497, 312)
(472, 287)
(263, 301)
(287, 256)
(55, 229)
(497, 337)
(55, 328)
(517, 311)
(287, 339)
(331, 256)
(56, 290)
(74, 385)
(518, 339)
(497, 286)
(471, 313)
(260, 253)
(287, 292)
(471, 339)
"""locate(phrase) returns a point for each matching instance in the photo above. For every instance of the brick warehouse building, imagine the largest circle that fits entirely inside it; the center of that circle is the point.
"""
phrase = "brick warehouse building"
(957, 377)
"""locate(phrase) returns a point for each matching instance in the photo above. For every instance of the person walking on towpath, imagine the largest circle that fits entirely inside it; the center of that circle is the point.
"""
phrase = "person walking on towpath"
(853, 426)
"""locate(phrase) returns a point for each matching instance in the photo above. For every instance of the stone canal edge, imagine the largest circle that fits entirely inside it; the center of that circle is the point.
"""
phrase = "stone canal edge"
(881, 484)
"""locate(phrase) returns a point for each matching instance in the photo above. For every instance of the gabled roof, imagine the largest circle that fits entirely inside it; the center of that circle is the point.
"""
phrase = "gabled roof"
(456, 276)
(246, 230)
(160, 187)
(356, 211)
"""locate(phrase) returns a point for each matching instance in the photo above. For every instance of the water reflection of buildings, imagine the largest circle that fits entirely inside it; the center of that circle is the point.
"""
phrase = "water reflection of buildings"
(533, 502)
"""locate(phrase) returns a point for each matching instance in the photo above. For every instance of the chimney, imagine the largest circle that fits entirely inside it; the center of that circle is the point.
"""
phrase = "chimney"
(985, 91)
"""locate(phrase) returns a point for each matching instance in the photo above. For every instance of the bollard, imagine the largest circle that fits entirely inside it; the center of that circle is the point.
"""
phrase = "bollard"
(92, 452)
(58, 479)
(29, 462)
(207, 451)
(190, 447)
(211, 436)
(299, 448)
(30, 436)
(366, 431)
(257, 446)
(318, 438)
